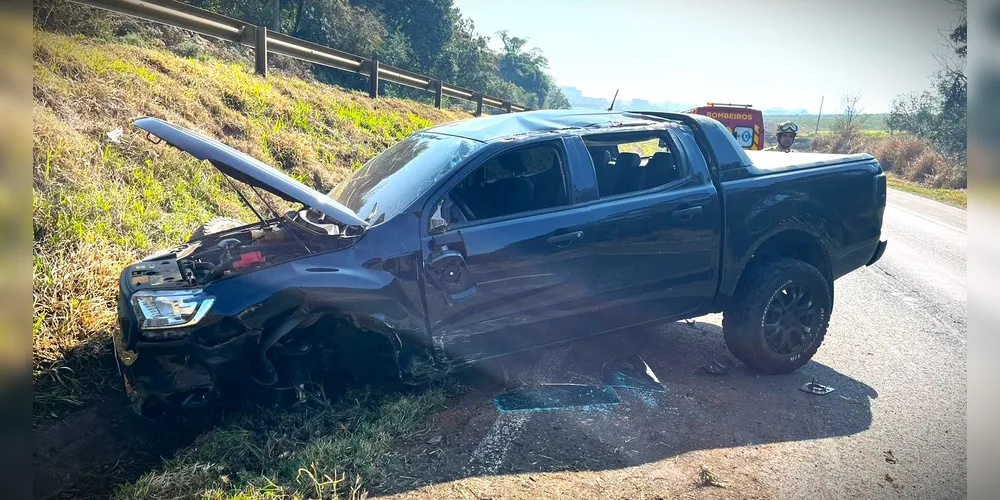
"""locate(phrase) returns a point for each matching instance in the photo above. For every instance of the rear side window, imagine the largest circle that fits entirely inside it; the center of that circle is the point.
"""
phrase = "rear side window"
(632, 161)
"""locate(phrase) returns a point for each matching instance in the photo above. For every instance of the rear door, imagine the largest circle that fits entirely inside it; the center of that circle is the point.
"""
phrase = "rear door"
(507, 256)
(656, 247)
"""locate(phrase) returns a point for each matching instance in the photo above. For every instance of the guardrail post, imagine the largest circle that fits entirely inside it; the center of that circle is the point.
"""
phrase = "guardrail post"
(506, 106)
(479, 104)
(437, 94)
(260, 51)
(373, 78)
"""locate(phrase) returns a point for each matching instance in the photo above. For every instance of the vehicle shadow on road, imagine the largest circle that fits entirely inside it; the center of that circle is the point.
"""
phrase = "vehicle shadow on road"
(697, 411)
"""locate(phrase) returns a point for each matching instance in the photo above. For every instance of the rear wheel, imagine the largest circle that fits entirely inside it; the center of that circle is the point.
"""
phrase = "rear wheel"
(779, 317)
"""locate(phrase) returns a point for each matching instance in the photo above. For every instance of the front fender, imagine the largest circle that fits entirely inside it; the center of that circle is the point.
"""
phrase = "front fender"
(377, 276)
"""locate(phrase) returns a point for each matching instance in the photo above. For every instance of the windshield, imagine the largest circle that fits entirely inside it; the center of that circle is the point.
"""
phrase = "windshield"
(390, 181)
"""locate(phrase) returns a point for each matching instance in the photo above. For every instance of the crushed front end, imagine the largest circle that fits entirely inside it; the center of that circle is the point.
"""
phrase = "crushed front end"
(257, 309)
(175, 349)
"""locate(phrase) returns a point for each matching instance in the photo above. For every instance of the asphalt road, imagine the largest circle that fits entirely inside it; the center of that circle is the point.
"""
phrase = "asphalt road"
(895, 425)
(900, 327)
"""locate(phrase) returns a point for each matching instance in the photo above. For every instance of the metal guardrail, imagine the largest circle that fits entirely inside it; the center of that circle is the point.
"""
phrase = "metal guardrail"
(182, 15)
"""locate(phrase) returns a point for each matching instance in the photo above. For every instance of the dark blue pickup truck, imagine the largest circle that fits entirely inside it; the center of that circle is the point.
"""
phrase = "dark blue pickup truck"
(488, 236)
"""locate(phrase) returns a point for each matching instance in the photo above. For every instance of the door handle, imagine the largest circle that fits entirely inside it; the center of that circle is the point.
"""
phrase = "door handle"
(565, 238)
(688, 213)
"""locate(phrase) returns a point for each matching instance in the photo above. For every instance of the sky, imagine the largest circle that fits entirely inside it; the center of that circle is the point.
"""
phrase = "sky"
(768, 53)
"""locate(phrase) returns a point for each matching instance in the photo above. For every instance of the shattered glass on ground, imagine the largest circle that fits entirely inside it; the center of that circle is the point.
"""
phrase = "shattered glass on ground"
(556, 396)
(629, 374)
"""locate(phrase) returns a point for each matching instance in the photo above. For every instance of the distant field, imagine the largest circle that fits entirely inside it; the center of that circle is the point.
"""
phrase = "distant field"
(807, 123)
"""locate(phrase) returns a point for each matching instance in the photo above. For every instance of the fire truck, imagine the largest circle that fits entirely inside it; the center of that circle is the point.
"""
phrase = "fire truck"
(745, 123)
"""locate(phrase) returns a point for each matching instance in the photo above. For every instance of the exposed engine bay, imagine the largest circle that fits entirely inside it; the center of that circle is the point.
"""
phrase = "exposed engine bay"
(236, 251)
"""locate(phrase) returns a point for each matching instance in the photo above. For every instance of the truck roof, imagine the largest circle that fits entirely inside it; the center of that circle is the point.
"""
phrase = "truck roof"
(490, 128)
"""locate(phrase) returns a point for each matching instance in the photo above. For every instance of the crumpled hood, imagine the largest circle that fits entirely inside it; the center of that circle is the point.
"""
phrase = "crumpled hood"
(247, 169)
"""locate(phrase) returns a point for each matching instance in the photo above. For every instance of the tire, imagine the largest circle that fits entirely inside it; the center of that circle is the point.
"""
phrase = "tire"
(215, 225)
(766, 327)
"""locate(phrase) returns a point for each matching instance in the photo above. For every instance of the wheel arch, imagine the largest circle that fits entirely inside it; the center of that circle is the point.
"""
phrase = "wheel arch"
(790, 243)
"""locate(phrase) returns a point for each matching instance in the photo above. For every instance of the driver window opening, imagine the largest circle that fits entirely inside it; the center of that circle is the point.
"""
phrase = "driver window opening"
(630, 162)
(514, 182)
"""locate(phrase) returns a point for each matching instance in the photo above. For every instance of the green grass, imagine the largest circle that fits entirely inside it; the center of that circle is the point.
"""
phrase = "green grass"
(954, 197)
(321, 449)
(100, 202)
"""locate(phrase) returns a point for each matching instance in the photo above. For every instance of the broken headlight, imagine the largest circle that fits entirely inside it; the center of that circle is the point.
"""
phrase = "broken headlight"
(170, 308)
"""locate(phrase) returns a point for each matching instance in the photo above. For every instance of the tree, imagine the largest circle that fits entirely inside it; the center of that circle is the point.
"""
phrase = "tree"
(428, 25)
(958, 37)
(915, 113)
(851, 120)
(526, 69)
(298, 17)
(952, 87)
(555, 98)
(940, 116)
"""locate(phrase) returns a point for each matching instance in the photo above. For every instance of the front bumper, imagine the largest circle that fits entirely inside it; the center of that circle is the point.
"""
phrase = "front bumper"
(179, 374)
(879, 251)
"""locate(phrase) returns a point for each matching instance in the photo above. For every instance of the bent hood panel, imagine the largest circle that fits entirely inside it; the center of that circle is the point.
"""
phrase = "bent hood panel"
(246, 168)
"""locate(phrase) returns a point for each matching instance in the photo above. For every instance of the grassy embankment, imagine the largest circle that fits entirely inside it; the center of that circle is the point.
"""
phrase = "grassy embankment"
(100, 203)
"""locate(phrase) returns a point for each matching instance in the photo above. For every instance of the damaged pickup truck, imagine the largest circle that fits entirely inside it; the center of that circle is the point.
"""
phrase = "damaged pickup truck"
(489, 236)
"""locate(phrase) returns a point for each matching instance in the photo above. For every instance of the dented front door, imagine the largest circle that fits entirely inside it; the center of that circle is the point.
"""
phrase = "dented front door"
(504, 286)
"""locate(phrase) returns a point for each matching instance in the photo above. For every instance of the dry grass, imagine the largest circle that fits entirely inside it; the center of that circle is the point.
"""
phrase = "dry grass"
(906, 157)
(708, 478)
(99, 204)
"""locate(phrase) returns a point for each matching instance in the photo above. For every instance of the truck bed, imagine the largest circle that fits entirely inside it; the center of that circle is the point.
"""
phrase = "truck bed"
(765, 162)
(838, 199)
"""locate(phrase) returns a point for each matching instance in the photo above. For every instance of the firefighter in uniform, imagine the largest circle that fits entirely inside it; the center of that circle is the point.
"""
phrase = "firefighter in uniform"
(786, 136)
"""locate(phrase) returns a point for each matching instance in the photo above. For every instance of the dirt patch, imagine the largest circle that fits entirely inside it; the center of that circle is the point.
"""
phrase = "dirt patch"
(675, 478)
(88, 452)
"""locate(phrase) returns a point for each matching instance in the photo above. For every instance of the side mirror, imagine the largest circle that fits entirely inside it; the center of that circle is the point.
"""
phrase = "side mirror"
(437, 224)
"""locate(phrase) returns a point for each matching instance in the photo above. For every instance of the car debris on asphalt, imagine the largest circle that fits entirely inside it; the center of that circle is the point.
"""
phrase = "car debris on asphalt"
(817, 389)
(631, 372)
(720, 365)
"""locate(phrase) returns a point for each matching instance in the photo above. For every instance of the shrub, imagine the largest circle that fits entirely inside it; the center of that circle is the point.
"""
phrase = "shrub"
(906, 156)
